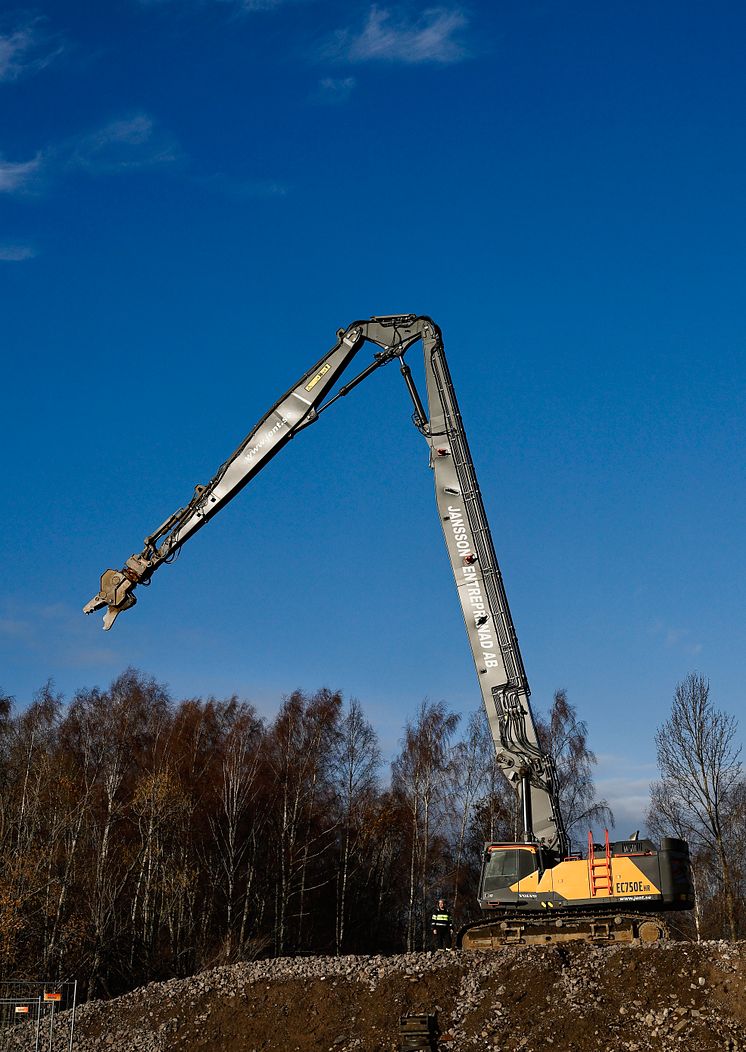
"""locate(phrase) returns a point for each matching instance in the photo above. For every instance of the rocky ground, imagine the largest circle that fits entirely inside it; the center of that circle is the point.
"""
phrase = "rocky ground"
(667, 996)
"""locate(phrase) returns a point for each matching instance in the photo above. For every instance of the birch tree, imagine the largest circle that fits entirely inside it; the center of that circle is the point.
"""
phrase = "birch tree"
(356, 759)
(236, 791)
(467, 773)
(418, 775)
(119, 724)
(701, 778)
(298, 749)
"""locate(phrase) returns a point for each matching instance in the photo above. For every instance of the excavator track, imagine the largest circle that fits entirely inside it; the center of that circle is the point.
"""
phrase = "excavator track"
(528, 929)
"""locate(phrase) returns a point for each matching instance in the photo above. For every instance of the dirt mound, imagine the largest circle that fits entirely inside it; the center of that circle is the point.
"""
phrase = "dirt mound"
(668, 996)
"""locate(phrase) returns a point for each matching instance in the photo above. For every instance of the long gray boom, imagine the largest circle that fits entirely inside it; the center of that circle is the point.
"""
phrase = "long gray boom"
(492, 637)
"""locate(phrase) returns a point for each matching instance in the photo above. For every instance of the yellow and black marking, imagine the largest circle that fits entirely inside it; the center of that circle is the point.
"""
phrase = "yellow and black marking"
(322, 372)
(568, 884)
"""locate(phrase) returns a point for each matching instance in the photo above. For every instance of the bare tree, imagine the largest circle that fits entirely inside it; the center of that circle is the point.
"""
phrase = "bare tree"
(355, 762)
(468, 769)
(565, 738)
(6, 726)
(664, 818)
(237, 789)
(700, 776)
(737, 844)
(119, 726)
(298, 754)
(34, 812)
(418, 774)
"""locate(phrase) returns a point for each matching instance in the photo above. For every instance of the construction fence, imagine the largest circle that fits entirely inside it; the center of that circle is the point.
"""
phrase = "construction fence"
(39, 1008)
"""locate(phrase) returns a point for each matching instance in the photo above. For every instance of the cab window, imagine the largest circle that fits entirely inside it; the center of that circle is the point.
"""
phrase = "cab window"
(505, 866)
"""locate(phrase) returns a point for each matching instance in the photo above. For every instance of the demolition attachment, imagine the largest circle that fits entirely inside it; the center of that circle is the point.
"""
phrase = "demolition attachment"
(116, 594)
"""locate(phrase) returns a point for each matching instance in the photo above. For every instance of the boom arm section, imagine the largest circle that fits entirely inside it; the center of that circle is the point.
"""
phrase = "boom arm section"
(295, 410)
(492, 637)
(494, 644)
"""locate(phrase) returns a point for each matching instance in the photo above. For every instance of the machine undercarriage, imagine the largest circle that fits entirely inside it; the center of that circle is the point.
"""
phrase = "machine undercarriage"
(525, 928)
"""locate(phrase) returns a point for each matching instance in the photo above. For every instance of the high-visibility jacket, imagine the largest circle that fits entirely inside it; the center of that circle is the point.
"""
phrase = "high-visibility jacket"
(441, 919)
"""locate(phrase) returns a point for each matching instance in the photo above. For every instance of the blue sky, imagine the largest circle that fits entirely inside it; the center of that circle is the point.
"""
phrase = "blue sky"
(194, 196)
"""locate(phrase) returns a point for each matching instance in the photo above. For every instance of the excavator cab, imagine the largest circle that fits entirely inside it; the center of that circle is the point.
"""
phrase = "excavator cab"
(503, 866)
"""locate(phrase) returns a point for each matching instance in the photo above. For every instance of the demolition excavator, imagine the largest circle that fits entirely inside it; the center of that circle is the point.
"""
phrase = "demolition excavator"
(534, 890)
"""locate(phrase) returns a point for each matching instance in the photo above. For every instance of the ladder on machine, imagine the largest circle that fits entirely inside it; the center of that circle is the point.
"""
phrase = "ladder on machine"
(599, 869)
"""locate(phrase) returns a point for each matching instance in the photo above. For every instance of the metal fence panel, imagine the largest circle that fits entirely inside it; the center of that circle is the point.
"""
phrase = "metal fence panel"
(33, 1011)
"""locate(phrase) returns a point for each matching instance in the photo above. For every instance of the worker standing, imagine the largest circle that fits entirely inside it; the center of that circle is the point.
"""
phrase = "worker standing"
(441, 926)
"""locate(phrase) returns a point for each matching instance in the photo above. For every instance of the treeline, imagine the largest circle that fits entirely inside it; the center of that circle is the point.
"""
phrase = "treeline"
(143, 838)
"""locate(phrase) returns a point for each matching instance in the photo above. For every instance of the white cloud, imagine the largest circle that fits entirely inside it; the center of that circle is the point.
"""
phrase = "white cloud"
(432, 37)
(16, 253)
(129, 143)
(26, 49)
(675, 638)
(625, 784)
(16, 176)
(335, 90)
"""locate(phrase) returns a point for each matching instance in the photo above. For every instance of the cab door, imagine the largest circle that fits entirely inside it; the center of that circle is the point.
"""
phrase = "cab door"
(505, 867)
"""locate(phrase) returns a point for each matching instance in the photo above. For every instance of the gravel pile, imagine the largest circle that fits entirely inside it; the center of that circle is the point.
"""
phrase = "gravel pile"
(668, 996)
